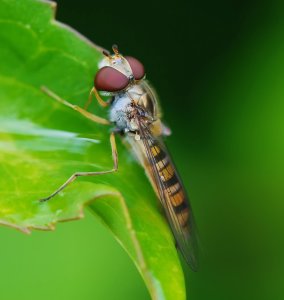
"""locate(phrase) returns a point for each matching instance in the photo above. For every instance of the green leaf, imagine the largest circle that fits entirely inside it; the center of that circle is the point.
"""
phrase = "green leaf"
(42, 143)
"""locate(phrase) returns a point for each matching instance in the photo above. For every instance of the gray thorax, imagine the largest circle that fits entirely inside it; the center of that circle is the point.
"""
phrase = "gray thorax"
(122, 110)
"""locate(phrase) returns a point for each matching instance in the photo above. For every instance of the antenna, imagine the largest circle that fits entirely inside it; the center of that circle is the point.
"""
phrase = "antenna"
(115, 49)
(106, 53)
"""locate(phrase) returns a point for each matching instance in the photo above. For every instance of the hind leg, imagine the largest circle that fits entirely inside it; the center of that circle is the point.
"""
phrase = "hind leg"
(79, 174)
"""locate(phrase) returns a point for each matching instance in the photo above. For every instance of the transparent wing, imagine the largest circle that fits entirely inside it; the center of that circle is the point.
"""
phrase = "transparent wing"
(172, 195)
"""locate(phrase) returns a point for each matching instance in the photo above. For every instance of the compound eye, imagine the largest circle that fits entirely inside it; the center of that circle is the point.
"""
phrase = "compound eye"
(109, 79)
(136, 67)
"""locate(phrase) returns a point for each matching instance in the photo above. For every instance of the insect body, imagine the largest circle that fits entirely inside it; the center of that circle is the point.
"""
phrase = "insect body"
(135, 112)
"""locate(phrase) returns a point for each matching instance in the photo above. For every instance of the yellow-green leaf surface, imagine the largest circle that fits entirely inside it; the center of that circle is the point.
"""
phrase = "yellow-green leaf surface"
(42, 143)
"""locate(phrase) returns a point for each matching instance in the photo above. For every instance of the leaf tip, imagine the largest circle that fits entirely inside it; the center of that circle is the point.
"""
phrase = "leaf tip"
(52, 4)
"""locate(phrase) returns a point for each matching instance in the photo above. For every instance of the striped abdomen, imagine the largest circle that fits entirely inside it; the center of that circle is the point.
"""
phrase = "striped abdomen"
(172, 187)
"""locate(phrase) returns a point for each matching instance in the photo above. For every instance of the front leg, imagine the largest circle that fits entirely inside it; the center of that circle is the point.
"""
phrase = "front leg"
(80, 110)
(95, 93)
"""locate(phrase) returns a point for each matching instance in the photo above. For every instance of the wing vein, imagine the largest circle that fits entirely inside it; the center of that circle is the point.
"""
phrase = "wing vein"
(186, 240)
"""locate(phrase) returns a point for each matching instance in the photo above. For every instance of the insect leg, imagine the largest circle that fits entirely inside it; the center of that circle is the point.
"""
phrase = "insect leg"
(82, 111)
(79, 174)
(95, 93)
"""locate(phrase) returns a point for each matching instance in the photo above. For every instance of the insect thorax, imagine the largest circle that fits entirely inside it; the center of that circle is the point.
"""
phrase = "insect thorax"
(121, 110)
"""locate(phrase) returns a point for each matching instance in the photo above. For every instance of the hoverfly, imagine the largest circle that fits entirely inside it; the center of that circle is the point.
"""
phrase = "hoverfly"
(135, 112)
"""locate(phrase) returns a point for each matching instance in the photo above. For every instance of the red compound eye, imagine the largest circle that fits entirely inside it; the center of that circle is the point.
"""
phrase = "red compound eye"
(110, 80)
(136, 67)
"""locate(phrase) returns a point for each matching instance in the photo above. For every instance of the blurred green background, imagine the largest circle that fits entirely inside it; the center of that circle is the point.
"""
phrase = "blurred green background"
(219, 70)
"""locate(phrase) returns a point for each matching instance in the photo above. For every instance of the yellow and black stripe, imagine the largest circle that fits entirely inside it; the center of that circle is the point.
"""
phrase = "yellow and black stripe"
(171, 183)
